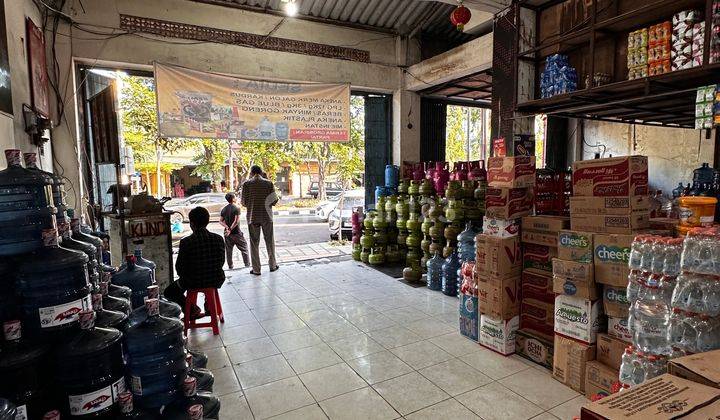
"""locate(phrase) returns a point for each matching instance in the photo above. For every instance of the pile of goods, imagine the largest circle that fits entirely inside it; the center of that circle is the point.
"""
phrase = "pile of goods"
(75, 331)
(707, 107)
(558, 77)
(637, 54)
(688, 38)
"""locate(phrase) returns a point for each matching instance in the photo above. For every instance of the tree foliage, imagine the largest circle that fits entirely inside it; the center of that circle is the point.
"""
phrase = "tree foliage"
(462, 121)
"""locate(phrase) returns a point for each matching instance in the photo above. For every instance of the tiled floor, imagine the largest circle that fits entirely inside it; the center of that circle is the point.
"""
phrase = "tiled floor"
(340, 340)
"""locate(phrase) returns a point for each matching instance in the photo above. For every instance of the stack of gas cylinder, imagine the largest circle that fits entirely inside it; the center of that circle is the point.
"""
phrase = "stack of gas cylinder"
(76, 332)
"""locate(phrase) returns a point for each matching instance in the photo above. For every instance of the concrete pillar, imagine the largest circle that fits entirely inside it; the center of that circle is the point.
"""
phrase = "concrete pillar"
(406, 126)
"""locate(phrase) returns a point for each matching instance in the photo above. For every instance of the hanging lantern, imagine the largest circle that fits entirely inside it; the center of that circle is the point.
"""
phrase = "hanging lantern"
(460, 16)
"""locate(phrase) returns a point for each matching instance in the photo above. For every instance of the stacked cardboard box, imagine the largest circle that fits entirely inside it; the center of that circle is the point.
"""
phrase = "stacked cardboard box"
(534, 340)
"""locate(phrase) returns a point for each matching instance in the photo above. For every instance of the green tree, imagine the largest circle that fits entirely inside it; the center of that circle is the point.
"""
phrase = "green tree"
(211, 158)
(455, 134)
(139, 122)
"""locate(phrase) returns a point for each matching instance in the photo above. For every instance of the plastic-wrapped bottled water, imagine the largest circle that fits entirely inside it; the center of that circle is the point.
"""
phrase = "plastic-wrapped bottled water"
(651, 314)
(626, 365)
(637, 375)
(636, 252)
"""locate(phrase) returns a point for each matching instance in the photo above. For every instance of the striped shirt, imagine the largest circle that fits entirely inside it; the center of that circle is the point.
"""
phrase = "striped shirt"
(258, 197)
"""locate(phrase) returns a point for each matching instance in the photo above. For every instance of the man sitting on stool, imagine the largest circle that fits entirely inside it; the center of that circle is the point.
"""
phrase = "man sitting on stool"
(200, 260)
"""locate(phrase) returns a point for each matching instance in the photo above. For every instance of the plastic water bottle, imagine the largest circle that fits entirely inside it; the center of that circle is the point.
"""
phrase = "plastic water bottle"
(450, 274)
(626, 365)
(113, 303)
(646, 253)
(434, 272)
(636, 250)
(652, 316)
(136, 278)
(57, 188)
(656, 365)
(129, 411)
(142, 262)
(156, 358)
(638, 369)
(66, 241)
(673, 250)
(167, 308)
(123, 292)
(89, 370)
(707, 334)
(105, 318)
(23, 372)
(466, 243)
(658, 251)
(178, 409)
(79, 235)
(52, 284)
(205, 378)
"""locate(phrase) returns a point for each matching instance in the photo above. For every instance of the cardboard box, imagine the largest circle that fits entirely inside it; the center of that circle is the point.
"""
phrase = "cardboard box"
(508, 203)
(609, 205)
(610, 350)
(469, 316)
(617, 176)
(534, 347)
(497, 257)
(539, 238)
(576, 288)
(620, 223)
(662, 398)
(500, 227)
(570, 362)
(538, 257)
(537, 316)
(511, 171)
(499, 297)
(573, 270)
(599, 379)
(615, 301)
(703, 368)
(618, 328)
(537, 285)
(577, 318)
(575, 246)
(519, 145)
(498, 335)
(549, 224)
(611, 258)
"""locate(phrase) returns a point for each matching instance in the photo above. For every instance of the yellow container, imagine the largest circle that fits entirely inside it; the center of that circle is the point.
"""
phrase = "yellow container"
(697, 211)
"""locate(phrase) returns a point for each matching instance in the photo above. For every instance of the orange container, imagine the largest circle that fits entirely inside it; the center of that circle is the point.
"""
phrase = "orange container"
(697, 211)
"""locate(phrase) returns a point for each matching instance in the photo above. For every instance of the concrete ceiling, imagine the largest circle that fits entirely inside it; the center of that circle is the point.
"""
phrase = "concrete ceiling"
(404, 17)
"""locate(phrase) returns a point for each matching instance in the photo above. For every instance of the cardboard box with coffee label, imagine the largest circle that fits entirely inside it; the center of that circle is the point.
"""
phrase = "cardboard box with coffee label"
(511, 171)
(537, 316)
(575, 246)
(537, 285)
(662, 398)
(703, 368)
(615, 301)
(538, 257)
(497, 257)
(610, 350)
(469, 316)
(617, 176)
(599, 379)
(498, 335)
(577, 288)
(619, 223)
(570, 361)
(508, 203)
(534, 347)
(500, 227)
(547, 224)
(499, 297)
(611, 255)
(578, 318)
(618, 328)
(548, 239)
(609, 205)
(519, 145)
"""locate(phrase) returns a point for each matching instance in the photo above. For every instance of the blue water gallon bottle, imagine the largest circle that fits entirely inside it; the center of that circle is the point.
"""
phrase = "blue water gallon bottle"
(136, 278)
(392, 174)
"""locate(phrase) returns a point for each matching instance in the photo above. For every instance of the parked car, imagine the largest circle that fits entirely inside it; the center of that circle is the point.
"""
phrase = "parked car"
(323, 210)
(331, 189)
(339, 223)
(213, 202)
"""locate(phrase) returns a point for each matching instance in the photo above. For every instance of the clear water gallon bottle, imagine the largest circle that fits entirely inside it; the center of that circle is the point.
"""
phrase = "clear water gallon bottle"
(466, 243)
(450, 274)
(57, 188)
(434, 271)
(89, 370)
(23, 370)
(136, 278)
(156, 358)
(199, 359)
(52, 284)
(178, 409)
(26, 206)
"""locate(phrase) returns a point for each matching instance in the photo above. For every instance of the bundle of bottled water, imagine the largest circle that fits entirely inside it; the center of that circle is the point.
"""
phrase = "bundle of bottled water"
(674, 294)
(558, 77)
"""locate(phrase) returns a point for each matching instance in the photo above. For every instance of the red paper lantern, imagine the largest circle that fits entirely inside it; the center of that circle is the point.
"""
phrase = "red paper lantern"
(460, 16)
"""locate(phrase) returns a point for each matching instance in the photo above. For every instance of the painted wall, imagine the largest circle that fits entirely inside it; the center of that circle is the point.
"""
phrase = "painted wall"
(673, 153)
(12, 133)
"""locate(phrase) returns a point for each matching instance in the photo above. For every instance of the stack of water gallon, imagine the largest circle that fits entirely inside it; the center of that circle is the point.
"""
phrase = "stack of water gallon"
(75, 335)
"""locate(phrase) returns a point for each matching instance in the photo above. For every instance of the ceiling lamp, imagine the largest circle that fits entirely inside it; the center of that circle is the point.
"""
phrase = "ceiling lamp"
(460, 16)
(291, 7)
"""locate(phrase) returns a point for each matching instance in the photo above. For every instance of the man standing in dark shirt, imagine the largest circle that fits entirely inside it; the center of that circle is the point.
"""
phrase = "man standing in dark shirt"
(258, 196)
(230, 220)
(200, 260)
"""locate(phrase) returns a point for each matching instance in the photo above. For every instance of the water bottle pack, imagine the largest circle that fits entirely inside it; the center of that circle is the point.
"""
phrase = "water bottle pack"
(558, 77)
(637, 367)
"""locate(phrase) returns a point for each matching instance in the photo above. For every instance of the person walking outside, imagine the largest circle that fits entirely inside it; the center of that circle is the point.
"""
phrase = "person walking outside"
(230, 220)
(199, 262)
(258, 197)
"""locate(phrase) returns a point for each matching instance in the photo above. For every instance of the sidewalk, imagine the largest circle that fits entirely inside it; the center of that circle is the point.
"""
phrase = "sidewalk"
(299, 253)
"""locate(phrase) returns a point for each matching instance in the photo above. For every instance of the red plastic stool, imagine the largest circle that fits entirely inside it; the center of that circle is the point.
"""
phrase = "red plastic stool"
(212, 303)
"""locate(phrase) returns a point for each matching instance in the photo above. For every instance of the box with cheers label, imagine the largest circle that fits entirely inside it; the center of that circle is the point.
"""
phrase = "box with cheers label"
(575, 246)
(615, 302)
(618, 328)
(498, 335)
(535, 347)
(610, 255)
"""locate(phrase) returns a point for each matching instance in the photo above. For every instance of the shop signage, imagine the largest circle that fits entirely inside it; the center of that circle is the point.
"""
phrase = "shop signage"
(199, 104)
(139, 228)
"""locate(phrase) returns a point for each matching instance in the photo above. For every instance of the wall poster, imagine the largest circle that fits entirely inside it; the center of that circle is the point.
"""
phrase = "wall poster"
(196, 104)
(38, 69)
(5, 91)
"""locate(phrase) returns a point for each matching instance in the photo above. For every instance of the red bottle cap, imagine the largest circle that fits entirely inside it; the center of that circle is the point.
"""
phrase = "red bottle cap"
(189, 386)
(30, 160)
(52, 415)
(13, 157)
(125, 400)
(130, 259)
(12, 330)
(152, 306)
(104, 285)
(153, 292)
(105, 276)
(97, 301)
(50, 238)
(87, 319)
(195, 412)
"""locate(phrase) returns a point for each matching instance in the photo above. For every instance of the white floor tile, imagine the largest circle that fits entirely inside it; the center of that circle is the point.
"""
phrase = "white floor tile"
(278, 398)
(410, 392)
(362, 404)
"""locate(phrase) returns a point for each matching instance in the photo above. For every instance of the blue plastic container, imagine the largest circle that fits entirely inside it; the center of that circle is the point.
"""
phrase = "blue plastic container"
(191, 396)
(67, 241)
(392, 175)
(450, 274)
(142, 262)
(89, 370)
(52, 285)
(79, 235)
(136, 278)
(466, 243)
(434, 271)
(155, 358)
(26, 207)
(105, 318)
(167, 308)
(114, 303)
(57, 188)
(8, 302)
